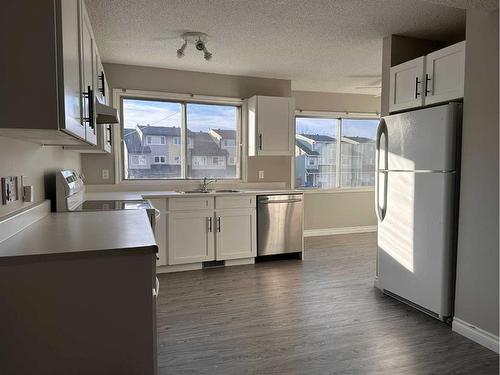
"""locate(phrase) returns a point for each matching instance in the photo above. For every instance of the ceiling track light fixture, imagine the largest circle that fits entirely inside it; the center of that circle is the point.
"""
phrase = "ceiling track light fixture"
(199, 40)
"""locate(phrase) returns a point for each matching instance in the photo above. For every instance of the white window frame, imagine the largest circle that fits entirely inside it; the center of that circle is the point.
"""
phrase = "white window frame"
(338, 131)
(119, 94)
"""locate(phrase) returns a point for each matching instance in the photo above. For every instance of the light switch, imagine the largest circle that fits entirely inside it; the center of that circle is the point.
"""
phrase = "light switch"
(261, 175)
(105, 174)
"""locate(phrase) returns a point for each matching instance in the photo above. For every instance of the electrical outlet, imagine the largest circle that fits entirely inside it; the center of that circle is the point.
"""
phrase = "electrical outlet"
(261, 175)
(105, 174)
(9, 189)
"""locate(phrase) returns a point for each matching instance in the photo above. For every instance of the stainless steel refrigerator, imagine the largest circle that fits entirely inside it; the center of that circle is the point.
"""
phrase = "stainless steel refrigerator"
(416, 206)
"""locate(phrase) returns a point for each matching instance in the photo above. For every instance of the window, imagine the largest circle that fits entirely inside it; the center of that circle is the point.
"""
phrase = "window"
(155, 140)
(321, 161)
(207, 126)
(358, 152)
(180, 140)
(137, 160)
(160, 160)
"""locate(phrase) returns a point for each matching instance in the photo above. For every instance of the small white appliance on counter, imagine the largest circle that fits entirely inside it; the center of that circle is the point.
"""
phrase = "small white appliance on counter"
(416, 205)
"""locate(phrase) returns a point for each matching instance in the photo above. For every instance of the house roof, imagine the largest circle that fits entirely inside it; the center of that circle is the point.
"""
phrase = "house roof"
(360, 139)
(305, 147)
(133, 142)
(319, 137)
(225, 133)
(160, 130)
(204, 145)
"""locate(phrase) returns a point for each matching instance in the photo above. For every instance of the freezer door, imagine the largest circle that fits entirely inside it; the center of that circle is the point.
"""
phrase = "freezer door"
(425, 139)
(415, 239)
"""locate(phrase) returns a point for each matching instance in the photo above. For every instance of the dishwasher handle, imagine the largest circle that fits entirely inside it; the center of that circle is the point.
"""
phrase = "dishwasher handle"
(267, 201)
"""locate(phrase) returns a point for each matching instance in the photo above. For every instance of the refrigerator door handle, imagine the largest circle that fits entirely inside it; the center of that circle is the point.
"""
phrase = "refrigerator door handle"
(381, 210)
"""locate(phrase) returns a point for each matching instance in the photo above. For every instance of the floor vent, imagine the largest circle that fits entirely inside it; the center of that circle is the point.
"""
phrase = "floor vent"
(214, 264)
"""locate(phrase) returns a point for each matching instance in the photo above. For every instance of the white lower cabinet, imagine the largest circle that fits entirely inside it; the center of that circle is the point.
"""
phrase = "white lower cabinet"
(190, 237)
(186, 234)
(236, 234)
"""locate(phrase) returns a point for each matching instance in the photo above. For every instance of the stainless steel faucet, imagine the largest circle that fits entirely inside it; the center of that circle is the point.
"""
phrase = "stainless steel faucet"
(205, 183)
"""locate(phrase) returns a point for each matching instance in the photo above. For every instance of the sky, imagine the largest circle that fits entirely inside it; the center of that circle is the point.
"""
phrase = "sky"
(203, 117)
(350, 127)
(200, 117)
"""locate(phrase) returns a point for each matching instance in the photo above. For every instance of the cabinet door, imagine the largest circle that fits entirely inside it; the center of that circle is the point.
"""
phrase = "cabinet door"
(236, 233)
(161, 230)
(445, 74)
(274, 125)
(70, 24)
(88, 67)
(99, 79)
(406, 85)
(190, 237)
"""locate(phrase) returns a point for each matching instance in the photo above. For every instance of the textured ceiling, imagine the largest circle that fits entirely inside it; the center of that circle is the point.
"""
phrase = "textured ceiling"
(321, 45)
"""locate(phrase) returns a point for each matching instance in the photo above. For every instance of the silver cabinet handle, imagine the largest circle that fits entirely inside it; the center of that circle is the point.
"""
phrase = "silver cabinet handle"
(209, 224)
(218, 224)
(417, 94)
(260, 141)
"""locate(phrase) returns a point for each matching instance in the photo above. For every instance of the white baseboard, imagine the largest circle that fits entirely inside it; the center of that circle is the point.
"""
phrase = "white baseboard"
(344, 230)
(476, 334)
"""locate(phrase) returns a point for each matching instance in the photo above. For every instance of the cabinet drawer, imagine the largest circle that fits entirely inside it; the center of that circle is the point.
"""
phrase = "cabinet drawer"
(199, 203)
(245, 201)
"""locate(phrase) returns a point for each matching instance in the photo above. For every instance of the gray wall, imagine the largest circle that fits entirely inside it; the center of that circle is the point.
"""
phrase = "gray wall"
(185, 82)
(477, 263)
(338, 209)
(37, 163)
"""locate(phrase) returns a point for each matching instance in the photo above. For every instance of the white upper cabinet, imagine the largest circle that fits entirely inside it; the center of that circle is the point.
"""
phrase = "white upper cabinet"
(407, 85)
(70, 23)
(445, 71)
(88, 69)
(270, 125)
(45, 96)
(435, 78)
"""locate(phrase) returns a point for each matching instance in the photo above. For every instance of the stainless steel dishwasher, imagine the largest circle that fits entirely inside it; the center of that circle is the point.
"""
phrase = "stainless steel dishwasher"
(279, 224)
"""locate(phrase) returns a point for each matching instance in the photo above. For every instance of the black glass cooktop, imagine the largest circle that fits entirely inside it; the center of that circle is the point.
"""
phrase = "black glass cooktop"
(112, 205)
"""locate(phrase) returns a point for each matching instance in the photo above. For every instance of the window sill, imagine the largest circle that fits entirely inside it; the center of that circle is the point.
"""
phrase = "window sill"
(367, 189)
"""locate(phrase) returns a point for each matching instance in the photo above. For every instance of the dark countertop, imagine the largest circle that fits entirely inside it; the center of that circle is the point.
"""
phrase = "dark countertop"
(76, 233)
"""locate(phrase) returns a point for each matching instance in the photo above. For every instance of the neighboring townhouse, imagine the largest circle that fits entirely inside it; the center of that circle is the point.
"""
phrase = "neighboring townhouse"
(321, 168)
(226, 140)
(156, 152)
(207, 159)
(316, 165)
(358, 161)
(136, 156)
(306, 164)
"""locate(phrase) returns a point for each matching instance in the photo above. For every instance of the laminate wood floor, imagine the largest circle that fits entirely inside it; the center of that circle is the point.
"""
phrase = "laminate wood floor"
(317, 316)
